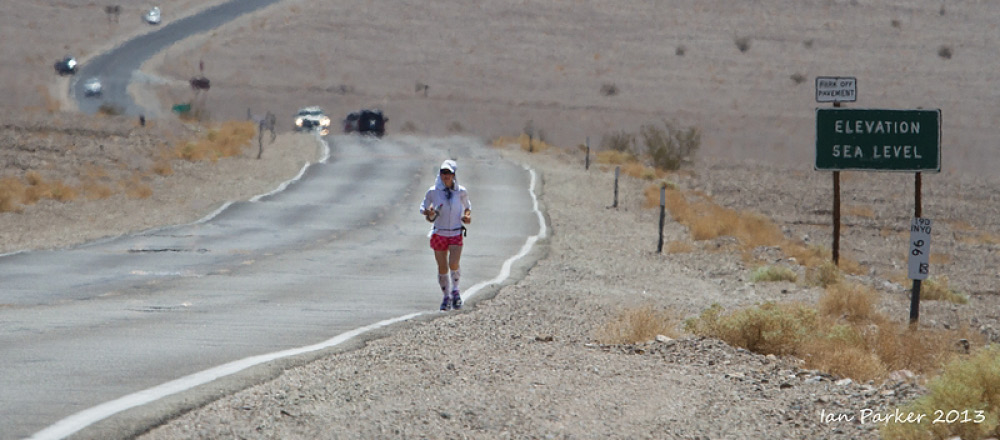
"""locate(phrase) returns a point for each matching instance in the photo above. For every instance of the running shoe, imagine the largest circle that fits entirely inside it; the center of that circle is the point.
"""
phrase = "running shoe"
(445, 303)
(456, 300)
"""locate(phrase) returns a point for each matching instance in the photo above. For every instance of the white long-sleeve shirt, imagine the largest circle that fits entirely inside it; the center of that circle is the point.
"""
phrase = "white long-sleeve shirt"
(450, 209)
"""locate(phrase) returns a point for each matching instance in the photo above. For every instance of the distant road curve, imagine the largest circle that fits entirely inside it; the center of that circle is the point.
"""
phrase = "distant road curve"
(115, 67)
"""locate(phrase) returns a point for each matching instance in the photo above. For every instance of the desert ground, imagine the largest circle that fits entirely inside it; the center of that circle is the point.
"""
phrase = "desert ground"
(525, 363)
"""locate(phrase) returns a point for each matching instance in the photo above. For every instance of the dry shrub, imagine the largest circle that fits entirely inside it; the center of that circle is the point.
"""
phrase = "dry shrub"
(536, 144)
(808, 256)
(135, 188)
(707, 221)
(824, 275)
(770, 274)
(988, 238)
(743, 43)
(228, 140)
(960, 225)
(141, 191)
(61, 192)
(640, 171)
(770, 328)
(842, 358)
(33, 189)
(945, 52)
(652, 193)
(850, 301)
(851, 266)
(859, 211)
(11, 193)
(95, 191)
(163, 167)
(976, 238)
(614, 157)
(679, 247)
(936, 289)
(525, 142)
(640, 324)
(755, 230)
(921, 350)
(940, 258)
(92, 171)
(969, 386)
(620, 141)
(860, 343)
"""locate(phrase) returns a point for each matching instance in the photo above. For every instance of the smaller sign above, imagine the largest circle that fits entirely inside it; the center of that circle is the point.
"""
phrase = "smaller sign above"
(920, 248)
(836, 89)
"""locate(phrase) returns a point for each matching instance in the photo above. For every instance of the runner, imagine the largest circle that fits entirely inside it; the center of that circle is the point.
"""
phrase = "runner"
(447, 205)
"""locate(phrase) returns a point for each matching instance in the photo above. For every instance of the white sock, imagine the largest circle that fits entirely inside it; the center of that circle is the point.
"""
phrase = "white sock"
(443, 281)
(455, 275)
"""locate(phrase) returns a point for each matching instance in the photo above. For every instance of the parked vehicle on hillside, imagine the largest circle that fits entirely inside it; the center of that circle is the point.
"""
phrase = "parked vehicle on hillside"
(366, 122)
(152, 16)
(66, 66)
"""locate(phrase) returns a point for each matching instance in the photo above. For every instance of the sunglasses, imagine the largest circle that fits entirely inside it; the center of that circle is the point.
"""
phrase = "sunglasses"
(446, 173)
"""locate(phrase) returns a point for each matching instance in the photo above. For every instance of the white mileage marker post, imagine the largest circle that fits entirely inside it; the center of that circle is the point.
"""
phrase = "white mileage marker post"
(920, 247)
(919, 260)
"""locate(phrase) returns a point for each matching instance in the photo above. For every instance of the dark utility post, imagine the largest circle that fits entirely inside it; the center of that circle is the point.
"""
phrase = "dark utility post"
(836, 213)
(617, 172)
(586, 162)
(663, 212)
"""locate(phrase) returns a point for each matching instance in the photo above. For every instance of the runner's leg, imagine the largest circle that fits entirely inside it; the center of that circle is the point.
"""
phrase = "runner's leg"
(455, 254)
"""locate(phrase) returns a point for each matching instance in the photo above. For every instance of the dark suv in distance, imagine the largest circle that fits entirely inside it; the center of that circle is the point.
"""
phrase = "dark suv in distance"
(66, 66)
(366, 122)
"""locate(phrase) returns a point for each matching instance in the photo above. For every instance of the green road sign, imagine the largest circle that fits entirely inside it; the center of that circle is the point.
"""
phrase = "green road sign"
(878, 140)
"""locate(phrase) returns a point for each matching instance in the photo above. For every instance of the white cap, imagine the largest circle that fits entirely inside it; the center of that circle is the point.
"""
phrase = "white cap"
(449, 165)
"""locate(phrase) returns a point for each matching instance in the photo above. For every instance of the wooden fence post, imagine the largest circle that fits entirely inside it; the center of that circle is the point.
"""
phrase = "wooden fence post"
(617, 173)
(663, 213)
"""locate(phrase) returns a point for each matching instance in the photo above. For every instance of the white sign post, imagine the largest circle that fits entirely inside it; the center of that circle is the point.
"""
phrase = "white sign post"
(920, 248)
(836, 89)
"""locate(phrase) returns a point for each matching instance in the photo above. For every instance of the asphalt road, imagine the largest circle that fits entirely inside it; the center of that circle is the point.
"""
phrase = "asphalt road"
(177, 316)
(115, 68)
(342, 248)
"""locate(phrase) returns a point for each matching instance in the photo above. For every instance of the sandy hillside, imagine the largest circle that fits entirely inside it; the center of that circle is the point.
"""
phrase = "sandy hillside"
(492, 67)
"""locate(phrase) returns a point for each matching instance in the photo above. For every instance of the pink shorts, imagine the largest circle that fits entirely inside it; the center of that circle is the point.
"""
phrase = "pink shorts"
(440, 243)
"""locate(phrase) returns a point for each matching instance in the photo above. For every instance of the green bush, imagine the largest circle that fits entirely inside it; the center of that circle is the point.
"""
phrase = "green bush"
(621, 141)
(669, 146)
(936, 289)
(766, 274)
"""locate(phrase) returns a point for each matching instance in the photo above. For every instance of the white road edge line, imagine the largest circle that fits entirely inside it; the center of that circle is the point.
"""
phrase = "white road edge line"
(74, 423)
